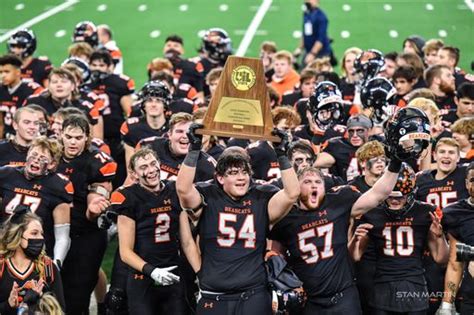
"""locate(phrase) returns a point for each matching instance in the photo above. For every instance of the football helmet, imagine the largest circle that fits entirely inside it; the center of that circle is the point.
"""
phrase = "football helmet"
(325, 105)
(369, 63)
(407, 133)
(405, 186)
(82, 65)
(24, 39)
(155, 89)
(86, 31)
(217, 44)
(378, 94)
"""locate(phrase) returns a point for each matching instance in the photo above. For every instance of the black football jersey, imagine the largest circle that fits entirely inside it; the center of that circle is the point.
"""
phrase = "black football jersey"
(111, 90)
(37, 70)
(291, 98)
(360, 183)
(180, 105)
(51, 106)
(11, 100)
(92, 166)
(233, 238)
(12, 154)
(343, 152)
(458, 220)
(447, 108)
(400, 242)
(42, 194)
(317, 242)
(156, 217)
(264, 161)
(187, 72)
(348, 90)
(170, 163)
(441, 192)
(135, 129)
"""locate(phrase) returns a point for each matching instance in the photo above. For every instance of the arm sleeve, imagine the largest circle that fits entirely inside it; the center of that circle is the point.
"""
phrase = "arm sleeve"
(62, 241)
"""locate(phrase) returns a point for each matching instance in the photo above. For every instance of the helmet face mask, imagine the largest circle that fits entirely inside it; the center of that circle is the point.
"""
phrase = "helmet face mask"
(217, 44)
(155, 89)
(82, 65)
(25, 40)
(86, 31)
(402, 198)
(369, 63)
(408, 133)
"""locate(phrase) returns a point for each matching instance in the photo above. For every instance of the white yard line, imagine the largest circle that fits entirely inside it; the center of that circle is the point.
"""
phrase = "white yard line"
(43, 16)
(470, 4)
(252, 29)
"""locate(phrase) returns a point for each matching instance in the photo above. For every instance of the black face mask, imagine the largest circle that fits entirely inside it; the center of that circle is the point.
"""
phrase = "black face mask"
(309, 7)
(97, 76)
(34, 248)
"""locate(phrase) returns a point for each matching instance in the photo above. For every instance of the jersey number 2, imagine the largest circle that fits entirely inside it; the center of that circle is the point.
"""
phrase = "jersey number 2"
(163, 222)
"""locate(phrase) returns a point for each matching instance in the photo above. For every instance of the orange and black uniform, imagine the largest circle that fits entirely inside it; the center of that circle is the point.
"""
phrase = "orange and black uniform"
(156, 217)
(37, 70)
(317, 244)
(399, 281)
(343, 152)
(42, 194)
(88, 242)
(135, 129)
(264, 161)
(11, 100)
(10, 274)
(12, 154)
(233, 236)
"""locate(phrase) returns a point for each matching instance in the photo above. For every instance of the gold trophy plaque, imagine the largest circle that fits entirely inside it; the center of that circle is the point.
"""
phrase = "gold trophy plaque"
(240, 107)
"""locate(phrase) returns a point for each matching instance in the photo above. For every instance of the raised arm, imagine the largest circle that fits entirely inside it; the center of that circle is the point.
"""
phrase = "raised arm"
(324, 160)
(437, 242)
(358, 242)
(281, 203)
(380, 191)
(190, 248)
(188, 195)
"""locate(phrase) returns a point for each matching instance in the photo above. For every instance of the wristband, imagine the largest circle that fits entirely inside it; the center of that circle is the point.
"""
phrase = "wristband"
(191, 158)
(147, 269)
(394, 166)
(284, 162)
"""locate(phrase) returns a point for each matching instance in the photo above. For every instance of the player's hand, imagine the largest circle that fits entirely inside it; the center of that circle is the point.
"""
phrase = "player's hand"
(195, 140)
(362, 231)
(164, 276)
(281, 147)
(436, 227)
(13, 298)
(97, 205)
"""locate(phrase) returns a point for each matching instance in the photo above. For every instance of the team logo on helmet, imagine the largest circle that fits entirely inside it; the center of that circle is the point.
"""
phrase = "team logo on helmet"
(243, 78)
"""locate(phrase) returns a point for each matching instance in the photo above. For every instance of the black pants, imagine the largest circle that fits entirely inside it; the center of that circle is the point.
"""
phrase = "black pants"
(400, 297)
(146, 298)
(116, 301)
(381, 312)
(80, 270)
(364, 272)
(256, 301)
(118, 154)
(345, 302)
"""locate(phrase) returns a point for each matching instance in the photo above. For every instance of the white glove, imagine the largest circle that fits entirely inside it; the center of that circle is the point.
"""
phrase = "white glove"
(164, 277)
(446, 309)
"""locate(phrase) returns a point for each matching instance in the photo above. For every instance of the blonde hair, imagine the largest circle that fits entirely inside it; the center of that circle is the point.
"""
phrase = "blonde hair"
(10, 239)
(284, 54)
(319, 64)
(353, 50)
(427, 106)
(78, 49)
(448, 141)
(51, 145)
(432, 44)
(464, 126)
(179, 118)
(213, 75)
(48, 305)
(369, 150)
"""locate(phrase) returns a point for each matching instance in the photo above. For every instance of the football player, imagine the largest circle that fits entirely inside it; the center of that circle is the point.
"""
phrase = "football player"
(153, 98)
(440, 81)
(233, 227)
(91, 172)
(148, 225)
(106, 40)
(172, 150)
(26, 124)
(47, 193)
(116, 91)
(23, 44)
(463, 132)
(13, 91)
(457, 221)
(400, 228)
(339, 153)
(86, 31)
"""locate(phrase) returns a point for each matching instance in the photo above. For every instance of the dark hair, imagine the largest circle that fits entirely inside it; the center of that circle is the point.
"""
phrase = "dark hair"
(391, 56)
(300, 146)
(470, 167)
(103, 55)
(328, 76)
(10, 60)
(433, 72)
(139, 154)
(453, 52)
(405, 72)
(174, 38)
(466, 90)
(77, 121)
(163, 76)
(235, 159)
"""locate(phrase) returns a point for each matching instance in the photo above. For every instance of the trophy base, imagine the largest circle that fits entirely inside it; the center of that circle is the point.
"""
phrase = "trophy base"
(238, 135)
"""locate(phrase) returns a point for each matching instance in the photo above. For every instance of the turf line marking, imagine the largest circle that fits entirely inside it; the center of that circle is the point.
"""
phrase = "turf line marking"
(43, 16)
(252, 29)
(470, 4)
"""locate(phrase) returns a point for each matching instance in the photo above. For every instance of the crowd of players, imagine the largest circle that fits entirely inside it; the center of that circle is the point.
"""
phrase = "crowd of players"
(198, 216)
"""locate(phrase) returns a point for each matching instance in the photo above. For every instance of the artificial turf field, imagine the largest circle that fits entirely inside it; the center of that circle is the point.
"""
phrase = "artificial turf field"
(140, 26)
